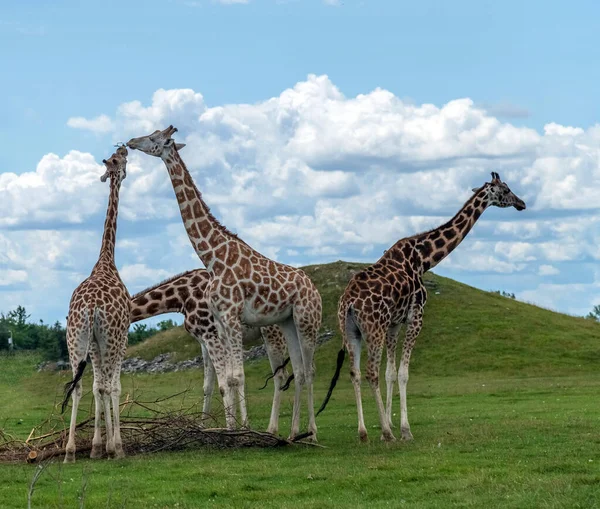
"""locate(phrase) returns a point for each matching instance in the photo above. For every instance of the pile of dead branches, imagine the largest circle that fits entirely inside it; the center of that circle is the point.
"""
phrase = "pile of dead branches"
(147, 430)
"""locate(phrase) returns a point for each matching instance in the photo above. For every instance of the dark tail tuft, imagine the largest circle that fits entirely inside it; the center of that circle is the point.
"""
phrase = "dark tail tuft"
(286, 385)
(70, 386)
(338, 369)
(277, 370)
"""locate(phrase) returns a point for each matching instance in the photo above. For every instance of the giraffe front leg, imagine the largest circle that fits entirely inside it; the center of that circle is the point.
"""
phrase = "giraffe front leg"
(238, 381)
(390, 371)
(412, 331)
(209, 381)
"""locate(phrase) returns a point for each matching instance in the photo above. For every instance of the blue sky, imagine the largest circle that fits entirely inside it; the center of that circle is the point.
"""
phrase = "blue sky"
(526, 64)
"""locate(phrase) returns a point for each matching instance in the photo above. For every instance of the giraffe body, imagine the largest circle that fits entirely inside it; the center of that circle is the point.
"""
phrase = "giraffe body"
(186, 293)
(390, 293)
(97, 325)
(245, 288)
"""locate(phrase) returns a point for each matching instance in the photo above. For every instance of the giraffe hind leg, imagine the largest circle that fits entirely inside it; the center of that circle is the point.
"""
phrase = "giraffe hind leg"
(275, 346)
(375, 344)
(353, 342)
(295, 352)
(78, 341)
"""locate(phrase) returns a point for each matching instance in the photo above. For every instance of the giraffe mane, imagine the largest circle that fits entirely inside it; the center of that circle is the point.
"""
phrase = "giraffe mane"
(168, 280)
(220, 226)
(447, 223)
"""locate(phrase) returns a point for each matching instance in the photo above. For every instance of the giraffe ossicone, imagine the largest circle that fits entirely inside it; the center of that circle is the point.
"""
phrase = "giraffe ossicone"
(97, 325)
(390, 293)
(245, 287)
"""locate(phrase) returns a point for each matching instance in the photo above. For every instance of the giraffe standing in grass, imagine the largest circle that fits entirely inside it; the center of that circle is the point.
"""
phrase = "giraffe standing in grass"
(245, 288)
(186, 293)
(97, 325)
(389, 293)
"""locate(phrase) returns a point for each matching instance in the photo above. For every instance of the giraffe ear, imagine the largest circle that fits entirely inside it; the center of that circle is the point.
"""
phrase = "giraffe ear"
(475, 189)
(179, 146)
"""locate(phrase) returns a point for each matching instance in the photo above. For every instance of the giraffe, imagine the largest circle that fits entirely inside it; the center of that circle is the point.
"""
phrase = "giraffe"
(97, 324)
(389, 293)
(245, 287)
(186, 293)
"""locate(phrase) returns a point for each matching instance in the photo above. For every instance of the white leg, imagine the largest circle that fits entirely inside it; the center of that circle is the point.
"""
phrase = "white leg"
(98, 404)
(224, 367)
(116, 400)
(108, 422)
(76, 396)
(375, 344)
(353, 344)
(293, 344)
(209, 380)
(390, 372)
(412, 331)
(309, 371)
(275, 346)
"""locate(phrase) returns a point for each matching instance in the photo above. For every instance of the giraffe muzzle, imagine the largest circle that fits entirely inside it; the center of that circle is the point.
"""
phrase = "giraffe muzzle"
(520, 205)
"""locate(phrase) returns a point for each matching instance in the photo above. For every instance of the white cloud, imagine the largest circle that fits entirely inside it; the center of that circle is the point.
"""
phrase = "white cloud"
(311, 174)
(9, 277)
(141, 273)
(548, 270)
(65, 190)
(101, 124)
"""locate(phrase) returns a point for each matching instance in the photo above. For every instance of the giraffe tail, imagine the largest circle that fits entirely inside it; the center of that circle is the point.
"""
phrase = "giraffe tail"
(70, 386)
(277, 370)
(340, 361)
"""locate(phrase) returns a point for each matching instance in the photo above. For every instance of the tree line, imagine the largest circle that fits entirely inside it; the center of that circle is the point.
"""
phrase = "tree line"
(51, 339)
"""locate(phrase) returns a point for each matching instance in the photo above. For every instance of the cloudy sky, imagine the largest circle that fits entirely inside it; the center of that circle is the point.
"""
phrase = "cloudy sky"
(317, 130)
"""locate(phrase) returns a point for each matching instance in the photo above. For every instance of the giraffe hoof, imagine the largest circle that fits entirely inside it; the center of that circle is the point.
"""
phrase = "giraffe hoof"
(119, 453)
(96, 452)
(362, 434)
(407, 435)
(387, 436)
(312, 437)
(69, 457)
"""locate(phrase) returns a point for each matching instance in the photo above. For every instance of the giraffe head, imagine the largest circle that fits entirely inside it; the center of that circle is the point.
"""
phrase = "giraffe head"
(499, 194)
(158, 144)
(116, 166)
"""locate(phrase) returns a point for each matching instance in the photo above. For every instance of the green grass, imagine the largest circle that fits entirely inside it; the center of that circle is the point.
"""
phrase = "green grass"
(503, 404)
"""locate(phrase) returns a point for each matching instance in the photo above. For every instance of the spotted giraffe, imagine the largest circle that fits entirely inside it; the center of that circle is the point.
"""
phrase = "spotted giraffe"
(245, 287)
(389, 293)
(186, 293)
(97, 324)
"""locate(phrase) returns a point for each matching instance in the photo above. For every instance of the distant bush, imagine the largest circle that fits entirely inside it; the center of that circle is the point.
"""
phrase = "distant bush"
(505, 294)
(594, 314)
(51, 340)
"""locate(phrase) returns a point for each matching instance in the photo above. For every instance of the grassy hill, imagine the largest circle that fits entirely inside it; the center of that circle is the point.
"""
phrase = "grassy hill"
(502, 403)
(465, 330)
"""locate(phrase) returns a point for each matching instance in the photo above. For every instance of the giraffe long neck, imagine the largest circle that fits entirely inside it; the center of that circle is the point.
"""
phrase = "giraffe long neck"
(208, 237)
(167, 297)
(433, 246)
(107, 250)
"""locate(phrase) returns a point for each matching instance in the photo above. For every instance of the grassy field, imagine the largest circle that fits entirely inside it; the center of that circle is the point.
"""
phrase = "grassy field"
(503, 404)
